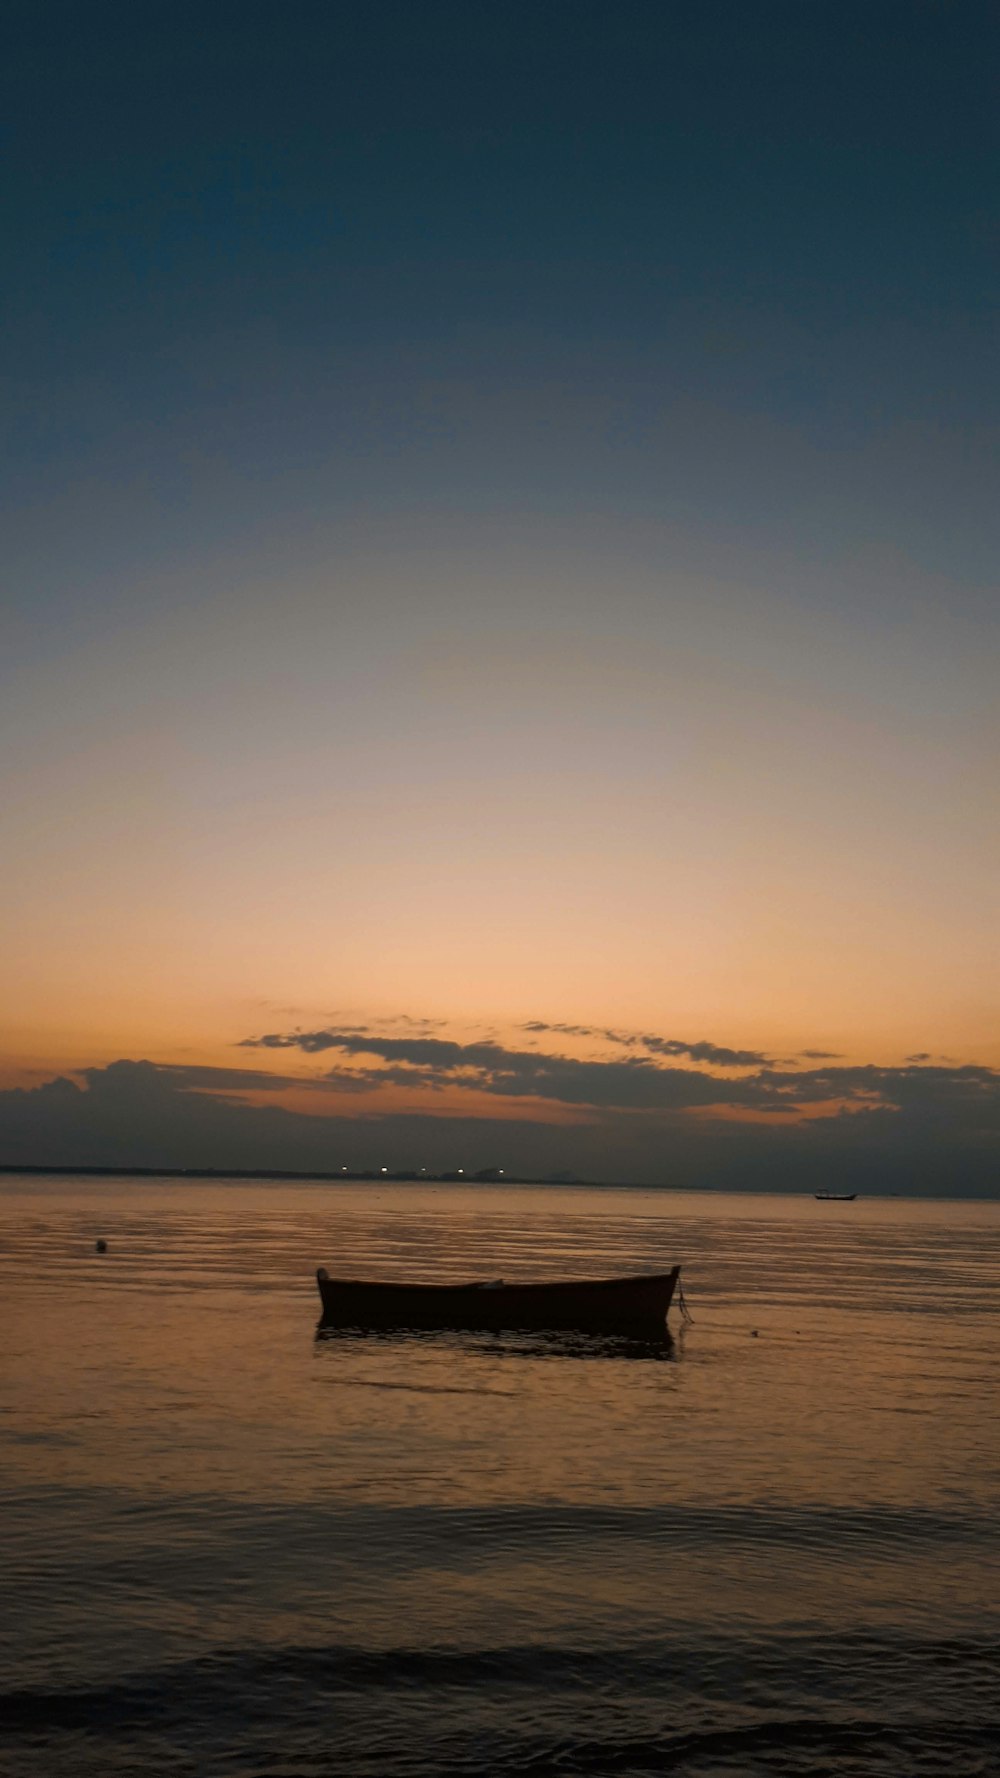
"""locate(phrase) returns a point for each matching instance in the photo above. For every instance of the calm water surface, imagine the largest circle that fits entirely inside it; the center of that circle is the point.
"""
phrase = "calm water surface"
(232, 1547)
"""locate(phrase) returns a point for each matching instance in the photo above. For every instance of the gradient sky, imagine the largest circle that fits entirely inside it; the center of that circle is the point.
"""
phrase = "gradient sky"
(500, 525)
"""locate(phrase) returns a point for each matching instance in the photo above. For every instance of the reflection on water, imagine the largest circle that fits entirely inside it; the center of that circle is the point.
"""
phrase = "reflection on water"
(551, 1342)
(770, 1547)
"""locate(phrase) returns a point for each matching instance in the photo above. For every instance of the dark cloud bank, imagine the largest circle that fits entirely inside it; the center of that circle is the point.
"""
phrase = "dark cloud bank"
(916, 1128)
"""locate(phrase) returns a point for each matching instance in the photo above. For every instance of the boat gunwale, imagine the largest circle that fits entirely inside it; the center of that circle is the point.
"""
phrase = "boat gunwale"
(619, 1281)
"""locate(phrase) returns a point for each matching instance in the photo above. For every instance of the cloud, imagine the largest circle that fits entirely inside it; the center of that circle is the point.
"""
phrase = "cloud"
(833, 1055)
(191, 1077)
(634, 1081)
(915, 1128)
(428, 1050)
(715, 1055)
(640, 1082)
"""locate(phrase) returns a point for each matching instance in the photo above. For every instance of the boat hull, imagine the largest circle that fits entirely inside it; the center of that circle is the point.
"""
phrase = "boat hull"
(598, 1305)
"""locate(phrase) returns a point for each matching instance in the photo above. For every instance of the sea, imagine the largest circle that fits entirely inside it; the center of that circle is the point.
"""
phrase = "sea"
(231, 1545)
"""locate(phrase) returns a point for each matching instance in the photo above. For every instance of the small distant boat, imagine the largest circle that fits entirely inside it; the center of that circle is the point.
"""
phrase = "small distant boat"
(597, 1305)
(835, 1197)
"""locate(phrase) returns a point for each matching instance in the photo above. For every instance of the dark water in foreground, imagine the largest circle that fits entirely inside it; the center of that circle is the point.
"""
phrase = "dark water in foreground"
(231, 1548)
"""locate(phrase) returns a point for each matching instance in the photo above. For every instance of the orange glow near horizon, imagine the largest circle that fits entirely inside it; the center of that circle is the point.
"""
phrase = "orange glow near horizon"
(690, 812)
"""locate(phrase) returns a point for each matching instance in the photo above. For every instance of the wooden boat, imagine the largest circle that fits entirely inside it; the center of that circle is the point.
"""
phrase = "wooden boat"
(594, 1305)
(835, 1197)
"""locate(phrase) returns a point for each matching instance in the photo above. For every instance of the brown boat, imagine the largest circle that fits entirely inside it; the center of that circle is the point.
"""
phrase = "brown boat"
(594, 1305)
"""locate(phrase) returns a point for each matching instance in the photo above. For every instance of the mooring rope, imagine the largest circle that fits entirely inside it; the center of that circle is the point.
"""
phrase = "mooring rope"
(686, 1314)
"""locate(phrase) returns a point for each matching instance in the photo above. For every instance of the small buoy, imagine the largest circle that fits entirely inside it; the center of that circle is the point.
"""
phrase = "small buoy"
(101, 1246)
(753, 1335)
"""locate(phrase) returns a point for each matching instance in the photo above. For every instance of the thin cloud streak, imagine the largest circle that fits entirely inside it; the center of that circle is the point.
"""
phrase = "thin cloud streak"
(716, 1055)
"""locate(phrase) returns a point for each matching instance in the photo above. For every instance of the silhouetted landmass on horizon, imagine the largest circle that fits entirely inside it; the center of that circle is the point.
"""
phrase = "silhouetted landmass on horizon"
(418, 1175)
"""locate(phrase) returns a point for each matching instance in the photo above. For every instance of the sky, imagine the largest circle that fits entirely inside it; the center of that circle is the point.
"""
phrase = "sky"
(499, 528)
